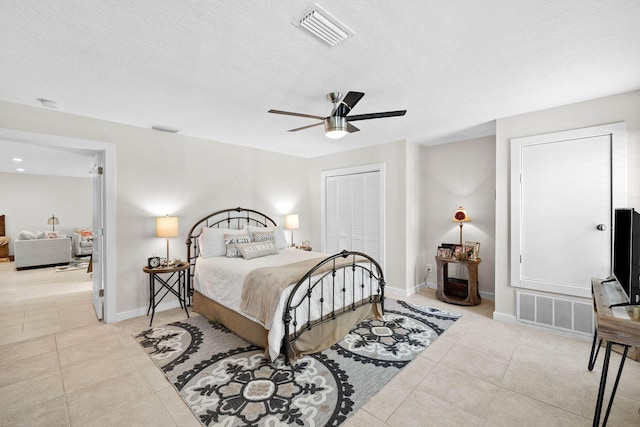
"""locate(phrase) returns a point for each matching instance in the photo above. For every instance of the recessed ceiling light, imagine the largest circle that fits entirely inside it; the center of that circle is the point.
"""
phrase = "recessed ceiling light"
(20, 170)
(47, 103)
(16, 159)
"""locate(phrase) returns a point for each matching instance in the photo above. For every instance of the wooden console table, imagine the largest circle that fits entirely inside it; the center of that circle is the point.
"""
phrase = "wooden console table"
(449, 291)
(615, 326)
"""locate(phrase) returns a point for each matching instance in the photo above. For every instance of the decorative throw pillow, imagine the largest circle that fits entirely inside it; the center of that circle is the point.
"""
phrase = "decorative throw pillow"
(42, 235)
(259, 236)
(230, 241)
(84, 233)
(26, 235)
(211, 241)
(280, 239)
(256, 249)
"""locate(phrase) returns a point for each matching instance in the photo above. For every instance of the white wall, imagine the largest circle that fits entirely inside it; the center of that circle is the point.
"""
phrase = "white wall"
(393, 155)
(27, 201)
(159, 173)
(618, 108)
(458, 174)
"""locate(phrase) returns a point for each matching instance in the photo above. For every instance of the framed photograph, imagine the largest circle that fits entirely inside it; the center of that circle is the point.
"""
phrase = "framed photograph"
(447, 245)
(444, 252)
(472, 249)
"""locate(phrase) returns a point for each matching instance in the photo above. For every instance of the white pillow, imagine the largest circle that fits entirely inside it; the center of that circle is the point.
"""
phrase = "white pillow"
(26, 235)
(281, 241)
(212, 241)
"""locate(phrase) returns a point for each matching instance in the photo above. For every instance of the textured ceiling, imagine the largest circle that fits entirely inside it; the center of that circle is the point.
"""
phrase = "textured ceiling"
(212, 68)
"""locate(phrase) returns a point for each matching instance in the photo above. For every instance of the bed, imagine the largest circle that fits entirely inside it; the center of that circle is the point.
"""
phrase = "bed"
(288, 301)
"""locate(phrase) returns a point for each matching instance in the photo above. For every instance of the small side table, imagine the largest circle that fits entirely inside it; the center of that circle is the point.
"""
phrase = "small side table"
(449, 291)
(172, 279)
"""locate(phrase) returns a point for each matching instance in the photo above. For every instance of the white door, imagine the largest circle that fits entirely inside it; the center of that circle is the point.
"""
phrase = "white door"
(562, 203)
(97, 255)
(353, 211)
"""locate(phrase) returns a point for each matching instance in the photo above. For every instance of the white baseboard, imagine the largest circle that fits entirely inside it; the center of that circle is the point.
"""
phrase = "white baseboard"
(396, 292)
(142, 311)
(506, 318)
(488, 295)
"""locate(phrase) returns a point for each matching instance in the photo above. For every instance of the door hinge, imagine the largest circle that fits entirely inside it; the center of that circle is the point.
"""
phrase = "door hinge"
(520, 258)
(101, 293)
(100, 170)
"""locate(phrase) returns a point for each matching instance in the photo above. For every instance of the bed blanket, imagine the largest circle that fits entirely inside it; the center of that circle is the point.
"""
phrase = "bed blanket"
(262, 286)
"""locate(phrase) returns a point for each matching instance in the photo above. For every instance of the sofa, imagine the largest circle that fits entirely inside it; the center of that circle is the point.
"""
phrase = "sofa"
(82, 242)
(34, 253)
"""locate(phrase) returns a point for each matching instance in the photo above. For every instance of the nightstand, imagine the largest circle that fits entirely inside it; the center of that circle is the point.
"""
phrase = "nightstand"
(171, 279)
(457, 291)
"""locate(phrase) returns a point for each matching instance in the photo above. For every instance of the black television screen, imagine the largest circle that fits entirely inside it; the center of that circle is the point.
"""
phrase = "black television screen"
(626, 252)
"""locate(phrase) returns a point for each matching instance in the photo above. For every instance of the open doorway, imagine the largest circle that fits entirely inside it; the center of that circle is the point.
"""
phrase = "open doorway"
(101, 160)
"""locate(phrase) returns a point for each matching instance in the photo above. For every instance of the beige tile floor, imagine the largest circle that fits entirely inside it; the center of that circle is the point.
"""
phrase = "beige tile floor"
(59, 367)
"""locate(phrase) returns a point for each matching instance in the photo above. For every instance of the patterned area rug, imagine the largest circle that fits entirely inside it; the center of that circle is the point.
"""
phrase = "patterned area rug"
(227, 381)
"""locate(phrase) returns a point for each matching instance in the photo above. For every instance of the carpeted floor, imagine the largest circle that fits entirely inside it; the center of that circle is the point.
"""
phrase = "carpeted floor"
(227, 381)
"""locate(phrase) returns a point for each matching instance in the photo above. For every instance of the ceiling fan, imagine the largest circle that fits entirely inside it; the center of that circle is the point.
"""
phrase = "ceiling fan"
(337, 124)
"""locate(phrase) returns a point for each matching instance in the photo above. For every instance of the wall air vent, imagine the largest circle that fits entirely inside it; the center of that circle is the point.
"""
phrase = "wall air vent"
(322, 26)
(566, 314)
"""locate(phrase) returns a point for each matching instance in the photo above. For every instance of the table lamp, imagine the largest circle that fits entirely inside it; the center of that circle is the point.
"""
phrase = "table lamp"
(291, 223)
(461, 216)
(167, 226)
(53, 221)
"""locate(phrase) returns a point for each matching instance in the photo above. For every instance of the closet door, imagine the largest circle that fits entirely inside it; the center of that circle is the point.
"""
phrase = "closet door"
(353, 214)
(564, 188)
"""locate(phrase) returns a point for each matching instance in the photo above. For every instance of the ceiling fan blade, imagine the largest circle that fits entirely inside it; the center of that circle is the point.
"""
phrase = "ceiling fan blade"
(351, 128)
(289, 113)
(345, 106)
(304, 127)
(376, 115)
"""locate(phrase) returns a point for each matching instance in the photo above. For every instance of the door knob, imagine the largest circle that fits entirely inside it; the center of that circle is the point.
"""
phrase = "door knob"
(602, 227)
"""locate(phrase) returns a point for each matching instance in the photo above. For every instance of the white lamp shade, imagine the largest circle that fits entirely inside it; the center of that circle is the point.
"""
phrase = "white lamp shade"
(167, 226)
(291, 222)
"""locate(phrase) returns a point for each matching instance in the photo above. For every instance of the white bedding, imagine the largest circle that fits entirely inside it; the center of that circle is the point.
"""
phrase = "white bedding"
(221, 279)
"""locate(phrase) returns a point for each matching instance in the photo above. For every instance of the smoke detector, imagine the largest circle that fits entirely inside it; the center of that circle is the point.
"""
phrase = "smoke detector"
(319, 23)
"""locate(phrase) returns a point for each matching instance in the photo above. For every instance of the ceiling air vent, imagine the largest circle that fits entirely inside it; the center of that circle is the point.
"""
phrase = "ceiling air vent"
(322, 26)
(164, 129)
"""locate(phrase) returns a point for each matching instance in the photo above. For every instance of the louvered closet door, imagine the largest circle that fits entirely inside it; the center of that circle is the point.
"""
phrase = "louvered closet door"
(353, 213)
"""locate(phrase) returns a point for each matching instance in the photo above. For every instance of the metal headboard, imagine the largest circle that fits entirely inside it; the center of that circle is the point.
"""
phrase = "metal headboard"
(235, 218)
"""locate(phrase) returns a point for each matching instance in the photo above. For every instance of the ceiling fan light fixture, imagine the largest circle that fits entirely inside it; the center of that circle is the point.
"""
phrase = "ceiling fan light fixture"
(335, 127)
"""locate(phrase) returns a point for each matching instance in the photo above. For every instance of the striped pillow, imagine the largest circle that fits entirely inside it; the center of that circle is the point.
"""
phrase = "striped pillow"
(230, 241)
(260, 236)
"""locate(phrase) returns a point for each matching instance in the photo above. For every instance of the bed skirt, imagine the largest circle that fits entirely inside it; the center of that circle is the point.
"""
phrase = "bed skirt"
(319, 338)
